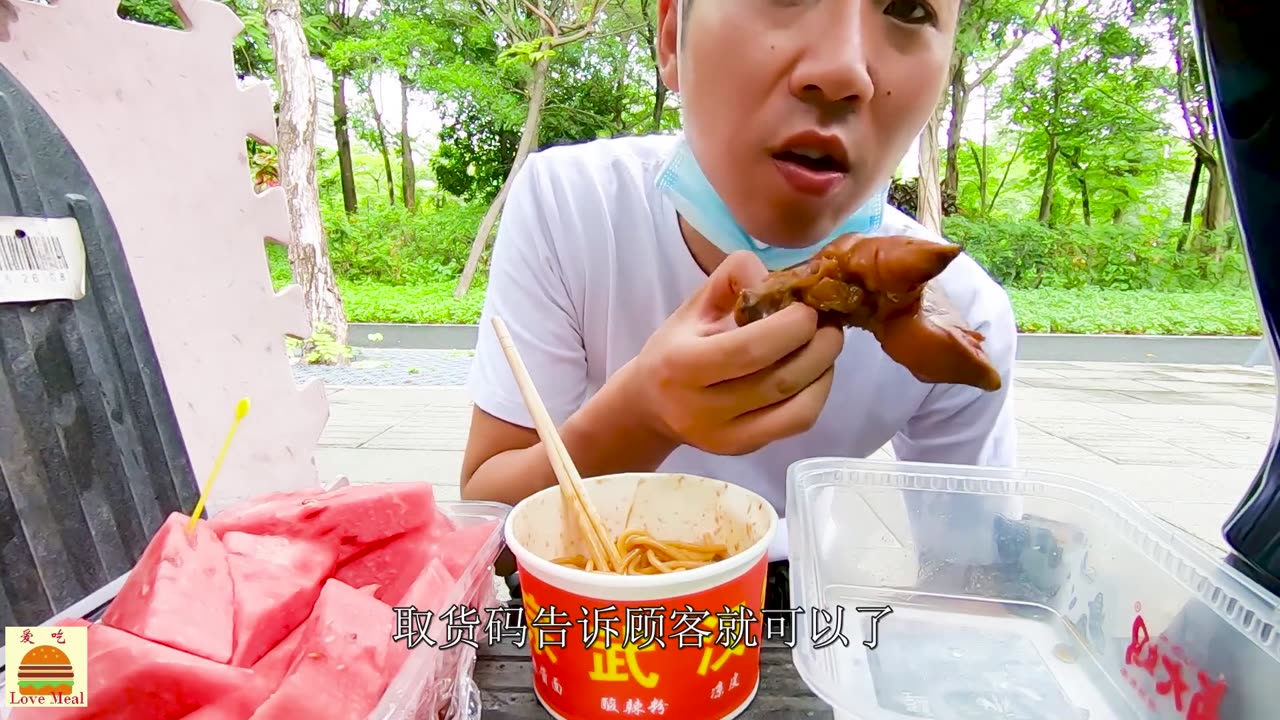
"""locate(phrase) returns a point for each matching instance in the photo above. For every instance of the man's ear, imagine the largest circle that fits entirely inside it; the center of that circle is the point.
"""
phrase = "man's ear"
(668, 40)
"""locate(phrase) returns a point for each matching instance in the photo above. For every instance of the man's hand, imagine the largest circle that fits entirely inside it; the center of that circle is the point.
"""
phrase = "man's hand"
(702, 381)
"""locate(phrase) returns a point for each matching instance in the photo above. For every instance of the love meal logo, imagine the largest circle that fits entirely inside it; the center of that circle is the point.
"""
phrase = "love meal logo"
(46, 667)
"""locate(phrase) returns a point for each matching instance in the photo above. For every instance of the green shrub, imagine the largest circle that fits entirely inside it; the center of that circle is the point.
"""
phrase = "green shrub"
(1113, 256)
(390, 244)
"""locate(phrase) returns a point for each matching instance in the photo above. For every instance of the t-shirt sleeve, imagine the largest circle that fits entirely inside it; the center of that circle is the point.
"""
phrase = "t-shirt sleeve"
(962, 425)
(528, 290)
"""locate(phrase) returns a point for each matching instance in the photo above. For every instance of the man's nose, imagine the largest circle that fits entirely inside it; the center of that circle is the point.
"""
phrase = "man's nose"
(832, 70)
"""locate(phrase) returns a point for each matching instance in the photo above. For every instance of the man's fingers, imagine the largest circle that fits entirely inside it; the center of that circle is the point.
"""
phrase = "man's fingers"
(720, 293)
(781, 380)
(790, 417)
(740, 351)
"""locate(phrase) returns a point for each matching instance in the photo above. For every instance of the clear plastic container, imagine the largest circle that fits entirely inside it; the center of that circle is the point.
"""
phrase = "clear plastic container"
(1014, 595)
(435, 682)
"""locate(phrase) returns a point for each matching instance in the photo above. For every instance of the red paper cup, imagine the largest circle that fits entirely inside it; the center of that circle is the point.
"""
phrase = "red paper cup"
(684, 644)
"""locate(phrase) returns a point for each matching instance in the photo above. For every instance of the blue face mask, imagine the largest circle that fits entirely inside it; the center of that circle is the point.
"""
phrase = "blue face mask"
(689, 190)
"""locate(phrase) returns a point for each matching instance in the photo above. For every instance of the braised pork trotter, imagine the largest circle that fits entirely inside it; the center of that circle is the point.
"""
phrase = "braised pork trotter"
(880, 284)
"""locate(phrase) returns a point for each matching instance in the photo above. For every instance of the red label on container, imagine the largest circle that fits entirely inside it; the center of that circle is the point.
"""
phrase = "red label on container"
(1191, 692)
(694, 656)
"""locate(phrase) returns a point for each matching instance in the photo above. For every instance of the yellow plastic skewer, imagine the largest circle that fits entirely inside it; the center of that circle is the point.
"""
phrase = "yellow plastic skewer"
(242, 409)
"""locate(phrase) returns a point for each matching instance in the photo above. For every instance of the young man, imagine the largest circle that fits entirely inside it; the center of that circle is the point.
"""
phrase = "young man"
(617, 264)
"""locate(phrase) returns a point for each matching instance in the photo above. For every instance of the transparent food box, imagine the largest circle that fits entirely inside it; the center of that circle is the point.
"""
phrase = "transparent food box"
(435, 682)
(1015, 595)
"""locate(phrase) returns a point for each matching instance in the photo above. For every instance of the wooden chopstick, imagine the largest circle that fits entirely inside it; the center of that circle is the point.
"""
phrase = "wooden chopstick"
(603, 549)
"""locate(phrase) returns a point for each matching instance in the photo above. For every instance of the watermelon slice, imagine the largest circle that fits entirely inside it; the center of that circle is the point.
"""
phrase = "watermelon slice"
(357, 515)
(465, 544)
(179, 593)
(426, 594)
(239, 704)
(393, 564)
(275, 581)
(134, 678)
(429, 589)
(345, 659)
(272, 667)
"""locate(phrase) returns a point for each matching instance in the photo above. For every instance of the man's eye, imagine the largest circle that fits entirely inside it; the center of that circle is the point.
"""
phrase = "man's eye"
(913, 12)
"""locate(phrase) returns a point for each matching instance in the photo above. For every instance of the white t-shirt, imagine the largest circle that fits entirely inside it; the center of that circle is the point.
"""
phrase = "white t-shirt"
(589, 261)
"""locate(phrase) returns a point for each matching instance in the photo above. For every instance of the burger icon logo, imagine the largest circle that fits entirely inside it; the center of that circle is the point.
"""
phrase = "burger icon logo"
(45, 666)
(45, 670)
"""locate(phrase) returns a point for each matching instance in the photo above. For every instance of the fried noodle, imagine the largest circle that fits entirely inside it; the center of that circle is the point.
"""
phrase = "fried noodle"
(643, 554)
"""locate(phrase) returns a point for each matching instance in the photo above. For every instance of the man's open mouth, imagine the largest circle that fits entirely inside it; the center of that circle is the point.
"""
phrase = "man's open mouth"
(814, 161)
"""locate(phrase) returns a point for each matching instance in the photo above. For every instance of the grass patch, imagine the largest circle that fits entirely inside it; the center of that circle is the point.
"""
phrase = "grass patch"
(1136, 312)
(1084, 311)
(430, 303)
(1046, 310)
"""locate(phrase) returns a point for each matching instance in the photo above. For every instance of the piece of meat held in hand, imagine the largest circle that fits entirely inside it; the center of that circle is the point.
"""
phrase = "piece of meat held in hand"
(879, 283)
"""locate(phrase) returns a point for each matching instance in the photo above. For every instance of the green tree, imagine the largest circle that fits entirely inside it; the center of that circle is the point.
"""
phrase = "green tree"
(556, 24)
(1185, 88)
(344, 20)
(251, 49)
(1085, 101)
(594, 90)
(989, 33)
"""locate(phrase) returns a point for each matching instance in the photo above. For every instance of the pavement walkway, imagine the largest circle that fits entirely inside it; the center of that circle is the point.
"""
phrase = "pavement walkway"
(1184, 441)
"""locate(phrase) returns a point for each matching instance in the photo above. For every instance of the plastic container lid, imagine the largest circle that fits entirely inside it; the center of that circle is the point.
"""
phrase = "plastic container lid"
(1014, 595)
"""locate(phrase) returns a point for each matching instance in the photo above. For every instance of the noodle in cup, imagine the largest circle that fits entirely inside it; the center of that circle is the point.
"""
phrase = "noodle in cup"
(684, 642)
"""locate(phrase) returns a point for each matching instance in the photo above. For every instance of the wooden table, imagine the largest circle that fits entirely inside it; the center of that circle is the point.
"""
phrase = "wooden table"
(504, 673)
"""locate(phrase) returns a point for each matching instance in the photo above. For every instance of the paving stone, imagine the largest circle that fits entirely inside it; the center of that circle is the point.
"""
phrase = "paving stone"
(1103, 384)
(1035, 394)
(1186, 447)
(1237, 399)
(1225, 378)
(391, 465)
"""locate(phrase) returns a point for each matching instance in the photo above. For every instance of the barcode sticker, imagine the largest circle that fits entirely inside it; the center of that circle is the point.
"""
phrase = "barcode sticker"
(41, 259)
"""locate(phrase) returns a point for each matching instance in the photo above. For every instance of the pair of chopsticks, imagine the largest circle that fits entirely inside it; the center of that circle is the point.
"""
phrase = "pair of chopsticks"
(604, 552)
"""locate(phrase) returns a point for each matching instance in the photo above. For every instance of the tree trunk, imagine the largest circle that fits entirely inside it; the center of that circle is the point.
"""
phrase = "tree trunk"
(382, 145)
(309, 252)
(1017, 149)
(929, 202)
(659, 99)
(659, 87)
(619, 86)
(1084, 199)
(344, 143)
(408, 176)
(984, 170)
(1046, 195)
(982, 179)
(528, 138)
(1189, 207)
(959, 106)
(1215, 200)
